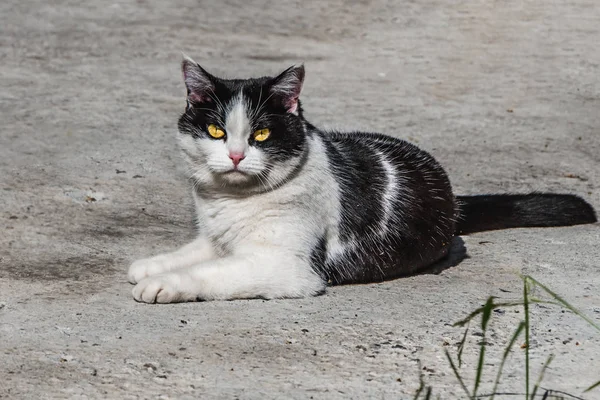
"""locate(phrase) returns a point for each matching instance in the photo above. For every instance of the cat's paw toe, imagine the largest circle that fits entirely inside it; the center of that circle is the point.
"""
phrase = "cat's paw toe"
(164, 288)
(142, 269)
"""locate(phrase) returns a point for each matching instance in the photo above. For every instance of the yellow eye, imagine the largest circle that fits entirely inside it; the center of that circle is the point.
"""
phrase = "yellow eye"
(215, 132)
(262, 134)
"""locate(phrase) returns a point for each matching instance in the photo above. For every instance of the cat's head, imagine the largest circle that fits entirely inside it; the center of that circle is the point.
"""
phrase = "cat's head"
(244, 134)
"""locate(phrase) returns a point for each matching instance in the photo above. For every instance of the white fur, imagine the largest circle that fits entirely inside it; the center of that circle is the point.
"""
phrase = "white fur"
(389, 193)
(237, 126)
(262, 242)
(193, 253)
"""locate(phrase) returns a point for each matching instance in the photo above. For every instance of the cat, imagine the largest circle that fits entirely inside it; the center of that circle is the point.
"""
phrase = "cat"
(285, 209)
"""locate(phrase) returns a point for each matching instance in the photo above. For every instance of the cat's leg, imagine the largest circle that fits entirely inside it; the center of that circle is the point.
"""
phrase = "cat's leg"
(191, 254)
(262, 274)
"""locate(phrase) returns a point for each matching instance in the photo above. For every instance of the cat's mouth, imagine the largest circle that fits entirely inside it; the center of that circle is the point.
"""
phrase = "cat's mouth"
(235, 171)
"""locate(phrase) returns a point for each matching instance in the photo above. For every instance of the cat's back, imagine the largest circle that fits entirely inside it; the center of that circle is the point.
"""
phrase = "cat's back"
(372, 153)
(381, 166)
(369, 144)
(391, 193)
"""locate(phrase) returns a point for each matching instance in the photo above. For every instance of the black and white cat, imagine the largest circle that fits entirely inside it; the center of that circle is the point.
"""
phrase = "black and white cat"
(284, 209)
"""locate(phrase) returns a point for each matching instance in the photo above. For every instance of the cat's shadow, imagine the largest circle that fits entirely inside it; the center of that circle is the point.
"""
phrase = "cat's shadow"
(457, 253)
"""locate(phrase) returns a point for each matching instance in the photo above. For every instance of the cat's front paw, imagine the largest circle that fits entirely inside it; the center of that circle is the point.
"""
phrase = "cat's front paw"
(146, 267)
(163, 288)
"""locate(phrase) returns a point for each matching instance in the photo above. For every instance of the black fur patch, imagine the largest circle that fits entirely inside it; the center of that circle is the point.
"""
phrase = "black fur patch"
(318, 256)
(503, 211)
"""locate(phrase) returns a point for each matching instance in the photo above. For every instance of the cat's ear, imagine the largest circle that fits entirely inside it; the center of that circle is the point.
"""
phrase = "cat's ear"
(286, 87)
(198, 82)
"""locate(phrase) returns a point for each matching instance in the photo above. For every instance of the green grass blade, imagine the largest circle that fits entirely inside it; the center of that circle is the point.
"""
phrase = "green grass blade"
(461, 347)
(513, 339)
(566, 304)
(480, 310)
(537, 384)
(421, 382)
(563, 302)
(594, 386)
(460, 380)
(428, 394)
(487, 313)
(485, 319)
(526, 309)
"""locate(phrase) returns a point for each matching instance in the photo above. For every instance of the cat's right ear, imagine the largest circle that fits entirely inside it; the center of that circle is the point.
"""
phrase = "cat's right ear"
(286, 87)
(199, 83)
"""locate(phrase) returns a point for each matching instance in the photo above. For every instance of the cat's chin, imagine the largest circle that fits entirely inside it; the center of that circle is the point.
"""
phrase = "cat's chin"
(238, 178)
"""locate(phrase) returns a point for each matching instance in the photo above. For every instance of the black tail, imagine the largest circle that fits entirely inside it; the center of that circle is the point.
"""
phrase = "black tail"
(503, 211)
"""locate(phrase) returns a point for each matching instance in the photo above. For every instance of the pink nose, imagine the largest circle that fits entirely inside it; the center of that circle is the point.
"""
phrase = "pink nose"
(236, 158)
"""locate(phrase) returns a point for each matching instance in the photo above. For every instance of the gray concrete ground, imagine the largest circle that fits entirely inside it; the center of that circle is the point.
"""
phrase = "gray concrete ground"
(504, 93)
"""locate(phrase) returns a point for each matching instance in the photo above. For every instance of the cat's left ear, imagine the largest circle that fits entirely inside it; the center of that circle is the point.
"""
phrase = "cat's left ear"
(198, 82)
(286, 87)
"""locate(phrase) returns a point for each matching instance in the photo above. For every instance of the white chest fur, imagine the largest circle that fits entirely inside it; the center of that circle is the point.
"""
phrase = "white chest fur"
(293, 217)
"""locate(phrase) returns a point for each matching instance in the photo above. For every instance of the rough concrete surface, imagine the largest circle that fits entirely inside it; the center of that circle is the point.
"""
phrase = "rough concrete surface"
(505, 94)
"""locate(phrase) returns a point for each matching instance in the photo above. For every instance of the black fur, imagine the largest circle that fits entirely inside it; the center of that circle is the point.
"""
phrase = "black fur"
(503, 211)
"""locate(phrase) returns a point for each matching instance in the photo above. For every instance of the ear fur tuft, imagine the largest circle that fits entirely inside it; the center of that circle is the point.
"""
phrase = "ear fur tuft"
(287, 86)
(198, 82)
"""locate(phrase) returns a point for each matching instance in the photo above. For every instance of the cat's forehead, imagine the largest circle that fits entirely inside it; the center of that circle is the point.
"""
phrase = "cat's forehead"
(249, 93)
(248, 87)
